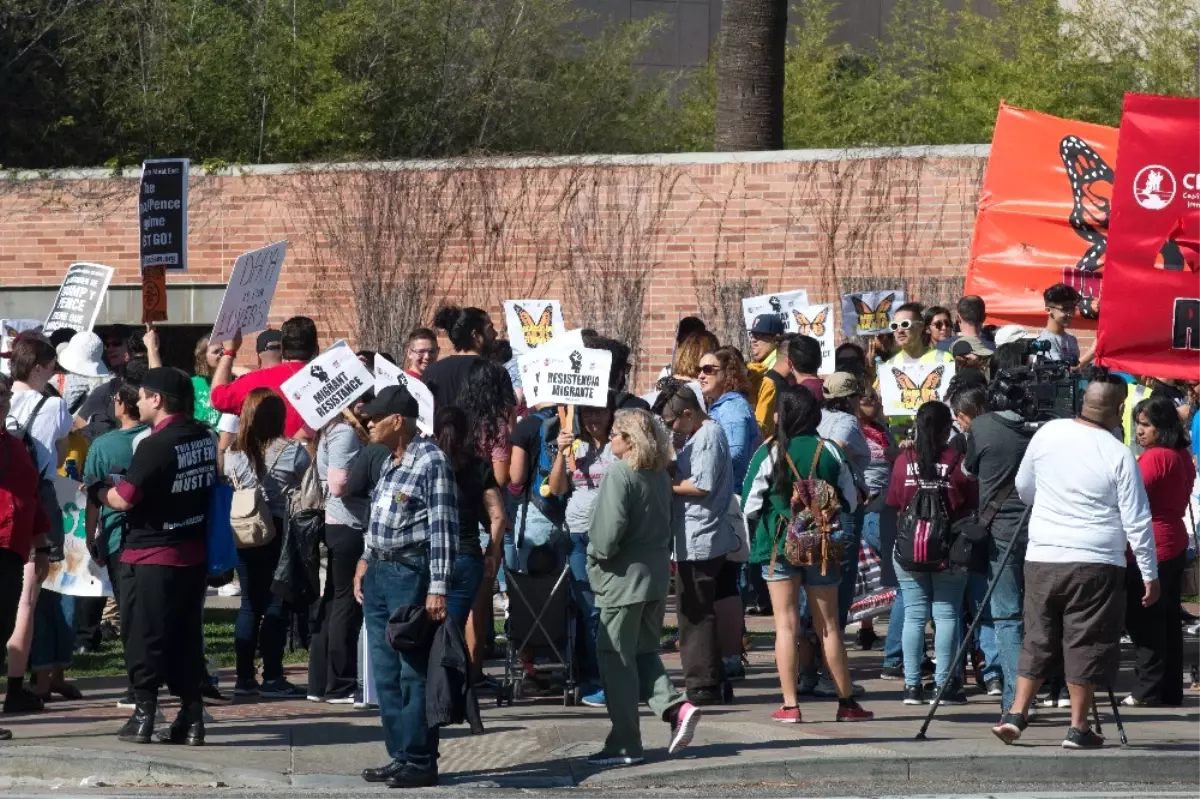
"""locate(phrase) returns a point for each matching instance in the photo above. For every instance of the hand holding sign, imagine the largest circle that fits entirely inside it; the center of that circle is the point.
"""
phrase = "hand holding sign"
(247, 301)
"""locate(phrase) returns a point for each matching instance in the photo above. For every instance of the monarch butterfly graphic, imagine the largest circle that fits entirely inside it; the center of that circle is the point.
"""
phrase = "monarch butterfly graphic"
(913, 396)
(1091, 180)
(875, 318)
(539, 332)
(816, 327)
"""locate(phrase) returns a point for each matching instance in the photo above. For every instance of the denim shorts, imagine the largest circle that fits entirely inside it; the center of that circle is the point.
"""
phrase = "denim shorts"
(809, 575)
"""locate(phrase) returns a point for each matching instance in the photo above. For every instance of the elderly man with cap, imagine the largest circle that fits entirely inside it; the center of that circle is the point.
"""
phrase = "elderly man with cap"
(407, 560)
(165, 497)
(766, 368)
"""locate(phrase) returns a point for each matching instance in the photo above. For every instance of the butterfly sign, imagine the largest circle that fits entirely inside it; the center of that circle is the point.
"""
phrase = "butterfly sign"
(907, 386)
(781, 304)
(532, 323)
(817, 321)
(868, 313)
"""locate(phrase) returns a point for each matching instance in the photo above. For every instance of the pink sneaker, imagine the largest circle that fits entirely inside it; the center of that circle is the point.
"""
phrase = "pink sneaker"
(684, 727)
(787, 715)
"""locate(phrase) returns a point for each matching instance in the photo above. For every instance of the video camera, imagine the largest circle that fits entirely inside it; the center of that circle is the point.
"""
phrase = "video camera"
(1040, 392)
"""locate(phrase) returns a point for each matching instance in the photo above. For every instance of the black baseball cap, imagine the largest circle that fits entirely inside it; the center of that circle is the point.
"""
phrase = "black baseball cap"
(767, 324)
(168, 381)
(392, 400)
(268, 340)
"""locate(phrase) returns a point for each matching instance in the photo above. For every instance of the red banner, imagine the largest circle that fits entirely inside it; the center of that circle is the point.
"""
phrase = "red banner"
(1043, 216)
(1151, 323)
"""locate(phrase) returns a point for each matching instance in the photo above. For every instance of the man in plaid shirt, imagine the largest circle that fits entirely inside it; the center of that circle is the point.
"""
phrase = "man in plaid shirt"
(408, 559)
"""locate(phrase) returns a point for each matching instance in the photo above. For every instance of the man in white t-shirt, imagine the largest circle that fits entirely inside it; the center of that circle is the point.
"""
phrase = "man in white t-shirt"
(1088, 503)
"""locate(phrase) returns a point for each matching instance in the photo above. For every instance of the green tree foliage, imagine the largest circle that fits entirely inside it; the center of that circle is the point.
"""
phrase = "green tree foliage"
(115, 81)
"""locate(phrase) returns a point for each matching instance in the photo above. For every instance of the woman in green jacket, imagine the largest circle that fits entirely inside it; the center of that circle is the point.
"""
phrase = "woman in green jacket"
(629, 567)
(766, 500)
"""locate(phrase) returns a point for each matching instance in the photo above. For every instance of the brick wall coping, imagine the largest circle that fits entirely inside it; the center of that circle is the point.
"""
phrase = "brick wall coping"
(543, 162)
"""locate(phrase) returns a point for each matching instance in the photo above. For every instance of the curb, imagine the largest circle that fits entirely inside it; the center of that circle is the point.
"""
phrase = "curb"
(1077, 768)
(60, 765)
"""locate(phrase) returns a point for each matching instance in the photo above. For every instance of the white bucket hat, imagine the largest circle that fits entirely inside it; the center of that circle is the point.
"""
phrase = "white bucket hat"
(84, 355)
(1005, 335)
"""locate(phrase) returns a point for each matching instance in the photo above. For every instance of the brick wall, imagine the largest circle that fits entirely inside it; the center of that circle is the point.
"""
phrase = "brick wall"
(683, 234)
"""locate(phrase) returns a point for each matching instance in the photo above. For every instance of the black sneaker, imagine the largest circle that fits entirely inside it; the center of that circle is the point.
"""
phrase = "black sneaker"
(412, 777)
(1082, 739)
(954, 695)
(23, 700)
(994, 687)
(1010, 728)
(246, 688)
(866, 638)
(127, 702)
(914, 695)
(282, 689)
(891, 673)
(212, 696)
(705, 697)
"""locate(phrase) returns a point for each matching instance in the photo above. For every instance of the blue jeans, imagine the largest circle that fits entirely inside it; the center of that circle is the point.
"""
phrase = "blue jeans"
(589, 670)
(985, 632)
(1004, 612)
(944, 591)
(262, 622)
(399, 676)
(464, 586)
(53, 638)
(852, 533)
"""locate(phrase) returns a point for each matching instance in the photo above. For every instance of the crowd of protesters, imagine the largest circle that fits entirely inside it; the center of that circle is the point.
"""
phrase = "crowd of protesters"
(747, 481)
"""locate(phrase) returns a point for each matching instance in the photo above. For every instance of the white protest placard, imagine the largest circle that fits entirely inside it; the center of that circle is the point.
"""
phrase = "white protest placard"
(817, 321)
(327, 384)
(781, 305)
(904, 387)
(247, 301)
(532, 323)
(79, 298)
(76, 574)
(389, 374)
(566, 376)
(868, 313)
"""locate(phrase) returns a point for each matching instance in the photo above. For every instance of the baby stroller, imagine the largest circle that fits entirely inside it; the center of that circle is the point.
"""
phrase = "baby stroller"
(541, 625)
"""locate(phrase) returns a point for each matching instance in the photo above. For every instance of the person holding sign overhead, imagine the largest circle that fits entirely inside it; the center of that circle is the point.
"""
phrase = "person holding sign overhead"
(298, 345)
(410, 546)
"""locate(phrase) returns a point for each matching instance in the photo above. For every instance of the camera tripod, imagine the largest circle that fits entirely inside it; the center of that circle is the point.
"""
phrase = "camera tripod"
(956, 663)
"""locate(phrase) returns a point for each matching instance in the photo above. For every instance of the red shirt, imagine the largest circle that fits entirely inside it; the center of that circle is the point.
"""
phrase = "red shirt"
(21, 513)
(960, 489)
(229, 399)
(1168, 475)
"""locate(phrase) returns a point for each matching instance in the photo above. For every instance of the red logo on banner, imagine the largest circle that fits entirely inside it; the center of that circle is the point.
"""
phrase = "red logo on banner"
(1151, 322)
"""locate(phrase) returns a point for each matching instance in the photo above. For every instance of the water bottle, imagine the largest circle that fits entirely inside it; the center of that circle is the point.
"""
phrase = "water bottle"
(72, 470)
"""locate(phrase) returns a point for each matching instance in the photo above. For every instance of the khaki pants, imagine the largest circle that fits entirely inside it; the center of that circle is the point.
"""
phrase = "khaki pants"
(632, 672)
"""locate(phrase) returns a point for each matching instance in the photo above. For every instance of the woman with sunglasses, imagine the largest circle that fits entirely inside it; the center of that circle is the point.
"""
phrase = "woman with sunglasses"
(724, 384)
(939, 325)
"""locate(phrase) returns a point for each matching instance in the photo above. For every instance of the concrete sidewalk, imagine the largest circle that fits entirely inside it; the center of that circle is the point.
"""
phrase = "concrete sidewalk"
(541, 743)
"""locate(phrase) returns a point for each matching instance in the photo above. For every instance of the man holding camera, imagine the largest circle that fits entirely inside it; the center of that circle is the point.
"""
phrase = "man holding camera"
(1088, 502)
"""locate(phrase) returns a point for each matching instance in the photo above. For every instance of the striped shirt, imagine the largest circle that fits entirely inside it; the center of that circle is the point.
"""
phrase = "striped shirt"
(414, 502)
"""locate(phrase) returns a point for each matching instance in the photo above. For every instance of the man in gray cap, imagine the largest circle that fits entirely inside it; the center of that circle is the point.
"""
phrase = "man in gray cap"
(408, 558)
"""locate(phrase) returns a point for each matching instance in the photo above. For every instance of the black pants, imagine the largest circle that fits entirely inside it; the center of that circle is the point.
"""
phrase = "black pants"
(333, 655)
(262, 622)
(699, 643)
(162, 618)
(1157, 633)
(12, 578)
(89, 612)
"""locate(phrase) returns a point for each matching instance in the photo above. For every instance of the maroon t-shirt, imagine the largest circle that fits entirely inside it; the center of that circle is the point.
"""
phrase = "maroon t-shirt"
(816, 387)
(960, 490)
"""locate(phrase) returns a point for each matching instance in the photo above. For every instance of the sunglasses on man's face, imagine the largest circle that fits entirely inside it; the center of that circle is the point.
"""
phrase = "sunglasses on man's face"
(903, 324)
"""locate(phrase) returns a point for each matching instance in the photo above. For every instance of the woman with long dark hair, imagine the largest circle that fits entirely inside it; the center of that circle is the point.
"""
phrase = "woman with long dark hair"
(488, 399)
(479, 502)
(931, 462)
(1157, 631)
(472, 333)
(797, 452)
(263, 460)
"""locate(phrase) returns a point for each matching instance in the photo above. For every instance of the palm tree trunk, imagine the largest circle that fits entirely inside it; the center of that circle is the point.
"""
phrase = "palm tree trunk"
(750, 75)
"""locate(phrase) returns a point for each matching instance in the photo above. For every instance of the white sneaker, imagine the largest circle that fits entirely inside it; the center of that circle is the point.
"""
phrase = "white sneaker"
(230, 589)
(1033, 711)
(1064, 701)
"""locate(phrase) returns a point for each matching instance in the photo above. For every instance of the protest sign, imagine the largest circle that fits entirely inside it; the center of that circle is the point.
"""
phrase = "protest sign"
(532, 323)
(162, 214)
(1043, 216)
(77, 574)
(79, 298)
(154, 294)
(1151, 319)
(248, 295)
(327, 384)
(868, 313)
(781, 305)
(9, 330)
(389, 374)
(905, 387)
(566, 376)
(817, 321)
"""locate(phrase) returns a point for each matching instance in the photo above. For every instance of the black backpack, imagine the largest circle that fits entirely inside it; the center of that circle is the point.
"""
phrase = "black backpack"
(925, 532)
